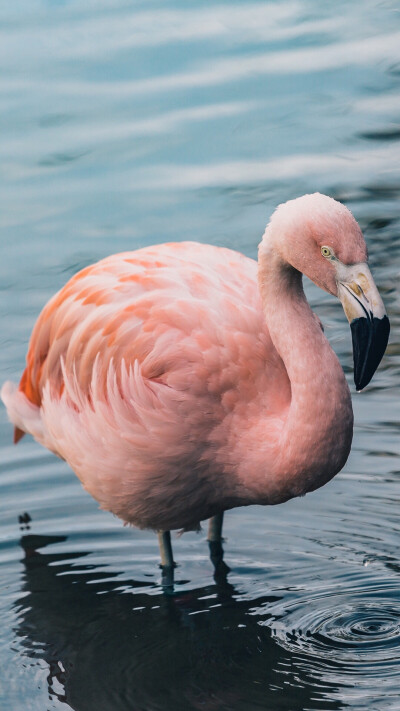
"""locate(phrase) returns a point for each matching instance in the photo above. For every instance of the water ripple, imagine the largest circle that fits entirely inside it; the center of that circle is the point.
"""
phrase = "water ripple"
(351, 636)
(126, 124)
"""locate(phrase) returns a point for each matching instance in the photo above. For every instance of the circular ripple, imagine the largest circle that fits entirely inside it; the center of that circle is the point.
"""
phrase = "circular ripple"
(355, 635)
(362, 629)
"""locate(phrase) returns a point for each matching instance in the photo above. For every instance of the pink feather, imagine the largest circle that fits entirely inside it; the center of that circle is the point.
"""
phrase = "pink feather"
(181, 380)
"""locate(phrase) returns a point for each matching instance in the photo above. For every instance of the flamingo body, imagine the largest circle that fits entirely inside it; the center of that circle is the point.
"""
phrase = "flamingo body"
(177, 385)
(138, 372)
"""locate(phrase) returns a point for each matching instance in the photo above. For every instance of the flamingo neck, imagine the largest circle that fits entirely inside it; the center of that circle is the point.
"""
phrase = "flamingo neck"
(315, 438)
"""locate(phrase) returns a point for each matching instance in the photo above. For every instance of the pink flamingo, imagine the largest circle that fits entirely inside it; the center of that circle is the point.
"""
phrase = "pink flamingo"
(179, 381)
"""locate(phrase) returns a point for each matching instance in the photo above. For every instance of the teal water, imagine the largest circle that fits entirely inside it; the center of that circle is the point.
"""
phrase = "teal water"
(128, 123)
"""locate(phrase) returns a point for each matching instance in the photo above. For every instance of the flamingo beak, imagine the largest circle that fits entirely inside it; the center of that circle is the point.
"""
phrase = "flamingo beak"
(366, 314)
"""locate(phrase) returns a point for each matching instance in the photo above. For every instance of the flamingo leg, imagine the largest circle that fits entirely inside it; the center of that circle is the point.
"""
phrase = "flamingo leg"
(215, 545)
(167, 561)
(215, 528)
(164, 541)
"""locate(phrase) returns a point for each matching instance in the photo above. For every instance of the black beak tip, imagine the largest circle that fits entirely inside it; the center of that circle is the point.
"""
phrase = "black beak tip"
(370, 338)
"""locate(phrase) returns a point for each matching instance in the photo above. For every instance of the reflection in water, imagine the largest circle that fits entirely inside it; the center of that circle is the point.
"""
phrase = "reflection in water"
(114, 648)
(126, 124)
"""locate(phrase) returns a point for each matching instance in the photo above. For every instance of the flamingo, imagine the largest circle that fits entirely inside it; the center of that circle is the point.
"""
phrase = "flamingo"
(181, 380)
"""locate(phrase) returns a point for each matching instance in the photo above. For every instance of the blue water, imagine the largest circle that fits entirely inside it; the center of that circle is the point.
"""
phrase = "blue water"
(128, 123)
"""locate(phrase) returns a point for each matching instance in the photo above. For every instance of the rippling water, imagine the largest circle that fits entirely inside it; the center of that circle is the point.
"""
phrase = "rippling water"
(128, 123)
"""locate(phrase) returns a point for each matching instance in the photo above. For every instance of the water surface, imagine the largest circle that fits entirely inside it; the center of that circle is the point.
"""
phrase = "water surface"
(129, 123)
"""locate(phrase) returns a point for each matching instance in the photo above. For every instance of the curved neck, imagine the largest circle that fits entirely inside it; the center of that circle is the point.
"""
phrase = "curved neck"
(316, 434)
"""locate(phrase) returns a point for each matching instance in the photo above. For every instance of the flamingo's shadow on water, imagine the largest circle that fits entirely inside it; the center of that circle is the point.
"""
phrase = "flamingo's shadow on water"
(144, 650)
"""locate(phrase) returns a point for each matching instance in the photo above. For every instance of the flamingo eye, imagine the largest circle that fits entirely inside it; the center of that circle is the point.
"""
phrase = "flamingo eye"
(326, 252)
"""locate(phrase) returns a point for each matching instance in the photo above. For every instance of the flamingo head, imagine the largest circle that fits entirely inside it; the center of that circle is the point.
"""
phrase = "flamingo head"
(319, 237)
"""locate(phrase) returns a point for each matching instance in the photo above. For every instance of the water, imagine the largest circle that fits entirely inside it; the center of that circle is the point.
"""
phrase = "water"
(129, 123)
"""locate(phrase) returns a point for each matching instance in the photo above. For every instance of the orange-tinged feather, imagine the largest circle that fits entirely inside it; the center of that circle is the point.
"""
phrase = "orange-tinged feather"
(176, 389)
(18, 434)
